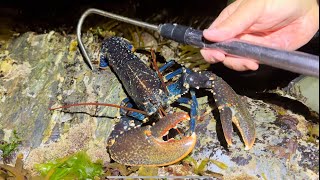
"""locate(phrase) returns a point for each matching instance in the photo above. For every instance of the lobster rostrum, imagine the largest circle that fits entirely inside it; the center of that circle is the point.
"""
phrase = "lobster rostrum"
(133, 144)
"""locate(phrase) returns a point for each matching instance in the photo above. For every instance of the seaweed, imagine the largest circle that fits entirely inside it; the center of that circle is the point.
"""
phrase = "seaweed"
(148, 171)
(8, 148)
(191, 58)
(313, 132)
(200, 169)
(14, 172)
(114, 28)
(76, 166)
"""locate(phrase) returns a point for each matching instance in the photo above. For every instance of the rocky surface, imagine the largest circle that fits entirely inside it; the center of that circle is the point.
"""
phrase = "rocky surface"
(39, 71)
(282, 149)
(43, 71)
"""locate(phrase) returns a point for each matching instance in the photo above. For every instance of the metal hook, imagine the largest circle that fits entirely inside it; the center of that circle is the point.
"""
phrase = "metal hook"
(106, 14)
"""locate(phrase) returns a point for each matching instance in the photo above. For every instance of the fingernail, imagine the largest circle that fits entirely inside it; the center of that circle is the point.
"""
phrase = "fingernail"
(209, 31)
(220, 56)
(214, 34)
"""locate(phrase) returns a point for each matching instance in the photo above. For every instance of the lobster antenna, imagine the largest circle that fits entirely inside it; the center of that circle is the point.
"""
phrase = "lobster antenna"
(100, 104)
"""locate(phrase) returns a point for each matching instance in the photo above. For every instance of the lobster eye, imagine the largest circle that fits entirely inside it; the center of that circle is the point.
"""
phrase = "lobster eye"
(130, 47)
(128, 44)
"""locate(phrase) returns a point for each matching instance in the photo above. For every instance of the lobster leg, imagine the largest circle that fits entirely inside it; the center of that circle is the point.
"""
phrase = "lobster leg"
(145, 145)
(167, 65)
(193, 102)
(178, 88)
(230, 106)
(127, 103)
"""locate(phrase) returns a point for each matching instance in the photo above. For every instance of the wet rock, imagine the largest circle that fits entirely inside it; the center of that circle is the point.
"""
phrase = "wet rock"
(305, 89)
(40, 71)
(47, 70)
(281, 150)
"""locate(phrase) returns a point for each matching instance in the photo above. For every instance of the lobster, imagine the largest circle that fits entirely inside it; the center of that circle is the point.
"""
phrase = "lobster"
(130, 142)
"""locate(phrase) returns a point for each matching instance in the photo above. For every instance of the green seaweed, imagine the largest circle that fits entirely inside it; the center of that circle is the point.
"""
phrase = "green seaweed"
(148, 171)
(191, 58)
(201, 168)
(313, 132)
(76, 166)
(114, 28)
(10, 147)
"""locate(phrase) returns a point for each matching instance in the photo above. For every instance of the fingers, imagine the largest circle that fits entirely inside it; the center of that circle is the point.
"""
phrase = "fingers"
(212, 56)
(263, 22)
(235, 63)
(225, 13)
(234, 20)
(240, 64)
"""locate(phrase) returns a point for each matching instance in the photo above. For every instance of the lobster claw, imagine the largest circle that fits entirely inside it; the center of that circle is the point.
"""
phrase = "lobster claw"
(145, 145)
(231, 108)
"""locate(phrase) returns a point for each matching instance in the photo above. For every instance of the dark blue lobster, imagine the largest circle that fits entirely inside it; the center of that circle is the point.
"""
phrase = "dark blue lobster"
(133, 143)
(144, 145)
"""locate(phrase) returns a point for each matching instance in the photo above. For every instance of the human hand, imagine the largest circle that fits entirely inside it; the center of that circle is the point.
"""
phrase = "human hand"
(283, 24)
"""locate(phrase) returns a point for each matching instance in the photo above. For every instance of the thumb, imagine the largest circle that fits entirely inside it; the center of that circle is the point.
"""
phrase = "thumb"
(239, 21)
